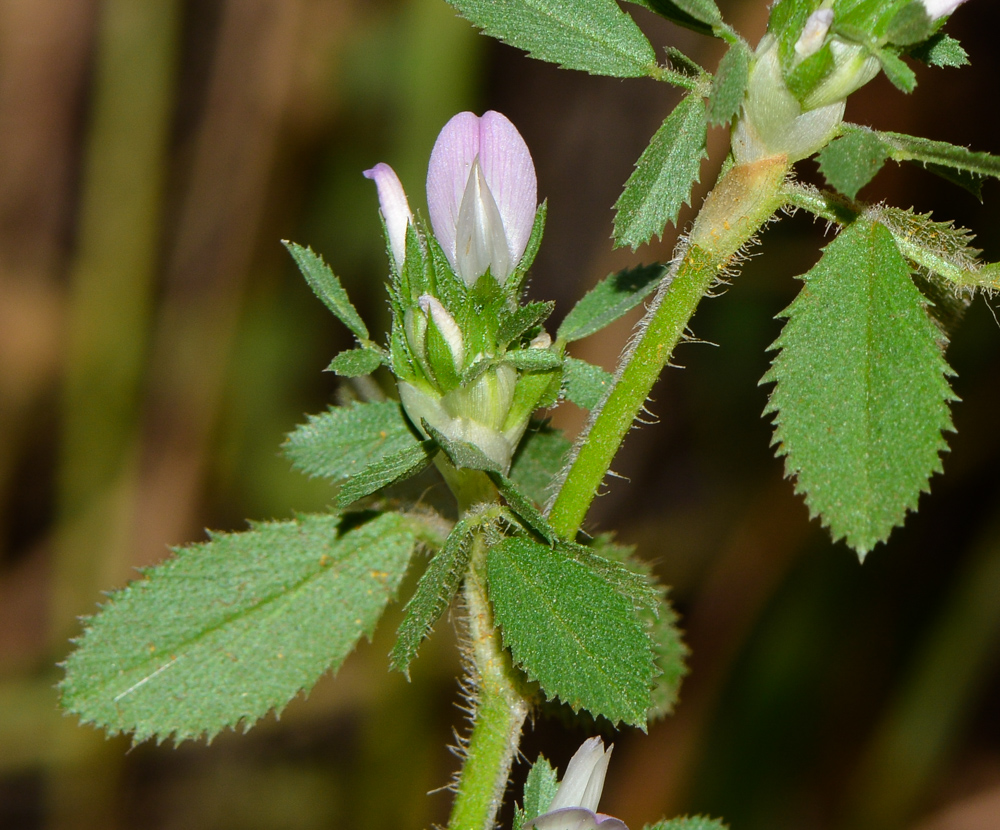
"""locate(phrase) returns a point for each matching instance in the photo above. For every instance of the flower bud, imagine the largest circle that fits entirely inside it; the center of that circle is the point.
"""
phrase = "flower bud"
(446, 325)
(394, 207)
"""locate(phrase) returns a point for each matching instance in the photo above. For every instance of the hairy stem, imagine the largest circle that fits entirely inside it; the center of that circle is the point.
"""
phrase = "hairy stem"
(500, 710)
(742, 201)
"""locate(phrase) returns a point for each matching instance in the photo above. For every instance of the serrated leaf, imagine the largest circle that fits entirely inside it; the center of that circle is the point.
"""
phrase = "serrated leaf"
(355, 363)
(533, 360)
(595, 654)
(435, 591)
(689, 823)
(584, 383)
(910, 25)
(896, 70)
(387, 470)
(523, 319)
(851, 161)
(939, 247)
(513, 282)
(697, 15)
(612, 297)
(346, 440)
(730, 84)
(940, 50)
(539, 789)
(538, 460)
(862, 396)
(229, 629)
(327, 287)
(660, 619)
(595, 36)
(664, 175)
(682, 63)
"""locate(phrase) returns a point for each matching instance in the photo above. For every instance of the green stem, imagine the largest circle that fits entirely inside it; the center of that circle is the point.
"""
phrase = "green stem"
(500, 710)
(500, 706)
(741, 202)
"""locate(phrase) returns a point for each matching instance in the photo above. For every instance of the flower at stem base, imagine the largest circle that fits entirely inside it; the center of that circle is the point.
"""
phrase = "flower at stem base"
(574, 806)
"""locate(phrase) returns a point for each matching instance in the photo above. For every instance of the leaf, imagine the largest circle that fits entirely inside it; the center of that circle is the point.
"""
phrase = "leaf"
(539, 789)
(570, 630)
(862, 396)
(387, 470)
(355, 363)
(660, 619)
(523, 507)
(910, 25)
(730, 84)
(533, 360)
(940, 50)
(584, 383)
(461, 454)
(513, 282)
(612, 297)
(664, 175)
(327, 287)
(851, 161)
(940, 247)
(538, 460)
(434, 593)
(689, 823)
(346, 440)
(698, 15)
(229, 629)
(593, 35)
(522, 320)
(896, 70)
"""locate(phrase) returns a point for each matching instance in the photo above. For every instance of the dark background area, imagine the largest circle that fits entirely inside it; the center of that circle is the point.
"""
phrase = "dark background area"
(156, 344)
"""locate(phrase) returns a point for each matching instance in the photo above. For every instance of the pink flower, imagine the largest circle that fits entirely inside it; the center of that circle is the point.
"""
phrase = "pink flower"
(395, 209)
(481, 194)
(575, 803)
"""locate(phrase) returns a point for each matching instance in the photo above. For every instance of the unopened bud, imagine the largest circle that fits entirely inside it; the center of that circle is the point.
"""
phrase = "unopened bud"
(814, 33)
(446, 325)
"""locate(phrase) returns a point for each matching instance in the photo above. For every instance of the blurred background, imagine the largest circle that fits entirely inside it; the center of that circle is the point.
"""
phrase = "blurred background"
(156, 344)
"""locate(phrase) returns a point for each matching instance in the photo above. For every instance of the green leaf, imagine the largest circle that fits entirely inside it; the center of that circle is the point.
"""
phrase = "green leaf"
(595, 654)
(940, 50)
(229, 629)
(327, 287)
(663, 176)
(355, 363)
(593, 35)
(910, 25)
(387, 470)
(539, 789)
(682, 63)
(698, 15)
(612, 297)
(689, 823)
(523, 507)
(660, 619)
(939, 247)
(538, 460)
(896, 70)
(346, 440)
(862, 396)
(522, 320)
(584, 383)
(533, 360)
(851, 161)
(513, 282)
(730, 84)
(461, 454)
(434, 593)
(804, 78)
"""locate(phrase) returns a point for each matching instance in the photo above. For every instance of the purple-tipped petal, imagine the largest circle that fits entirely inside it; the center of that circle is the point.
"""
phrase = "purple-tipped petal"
(575, 818)
(448, 171)
(510, 174)
(395, 208)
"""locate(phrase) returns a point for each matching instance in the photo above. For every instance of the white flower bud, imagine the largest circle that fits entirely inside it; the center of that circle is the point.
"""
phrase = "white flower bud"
(814, 33)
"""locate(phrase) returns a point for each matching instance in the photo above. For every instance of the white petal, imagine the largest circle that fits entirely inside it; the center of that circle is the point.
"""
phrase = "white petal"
(395, 208)
(480, 241)
(814, 33)
(583, 782)
(445, 324)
